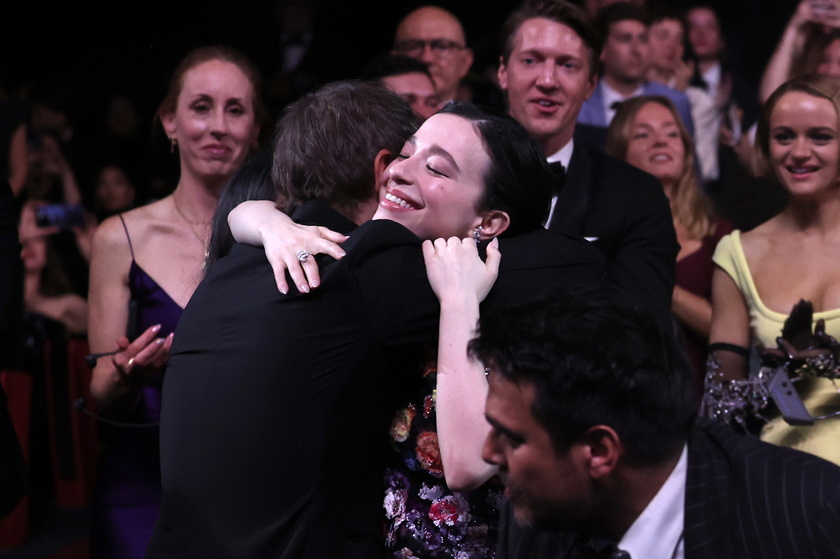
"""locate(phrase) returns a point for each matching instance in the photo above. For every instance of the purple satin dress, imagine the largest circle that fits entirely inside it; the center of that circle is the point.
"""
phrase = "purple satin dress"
(127, 500)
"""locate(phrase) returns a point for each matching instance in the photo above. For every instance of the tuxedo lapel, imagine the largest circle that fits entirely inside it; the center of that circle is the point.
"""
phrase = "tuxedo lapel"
(572, 202)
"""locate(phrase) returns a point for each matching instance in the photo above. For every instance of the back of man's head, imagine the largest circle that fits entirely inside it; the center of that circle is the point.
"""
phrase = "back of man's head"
(596, 359)
(326, 142)
(387, 65)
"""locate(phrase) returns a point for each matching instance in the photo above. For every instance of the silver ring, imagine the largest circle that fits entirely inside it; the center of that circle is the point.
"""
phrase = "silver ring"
(302, 255)
(130, 364)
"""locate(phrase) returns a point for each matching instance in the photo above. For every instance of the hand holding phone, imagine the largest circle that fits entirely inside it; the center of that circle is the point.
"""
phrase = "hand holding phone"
(62, 215)
(826, 12)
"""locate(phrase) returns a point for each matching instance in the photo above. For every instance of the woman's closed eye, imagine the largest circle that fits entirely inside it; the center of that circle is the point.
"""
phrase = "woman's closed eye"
(435, 171)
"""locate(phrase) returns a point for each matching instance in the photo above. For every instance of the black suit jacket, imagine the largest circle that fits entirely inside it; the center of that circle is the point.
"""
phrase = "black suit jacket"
(627, 212)
(745, 499)
(276, 407)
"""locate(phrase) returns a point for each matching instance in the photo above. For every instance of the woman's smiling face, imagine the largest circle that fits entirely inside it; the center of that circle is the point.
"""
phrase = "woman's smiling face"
(655, 144)
(804, 149)
(435, 184)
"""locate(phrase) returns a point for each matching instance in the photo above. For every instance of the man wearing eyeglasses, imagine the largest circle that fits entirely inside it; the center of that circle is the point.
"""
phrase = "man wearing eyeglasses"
(435, 37)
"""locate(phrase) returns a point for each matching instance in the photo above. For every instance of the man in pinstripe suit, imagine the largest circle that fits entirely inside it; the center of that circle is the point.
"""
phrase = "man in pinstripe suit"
(592, 409)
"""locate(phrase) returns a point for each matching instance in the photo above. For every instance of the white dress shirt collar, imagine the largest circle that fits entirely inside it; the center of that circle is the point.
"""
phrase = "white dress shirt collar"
(658, 532)
(611, 96)
(564, 156)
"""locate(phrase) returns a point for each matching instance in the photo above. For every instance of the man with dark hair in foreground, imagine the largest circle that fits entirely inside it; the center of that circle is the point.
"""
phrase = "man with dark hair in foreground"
(594, 429)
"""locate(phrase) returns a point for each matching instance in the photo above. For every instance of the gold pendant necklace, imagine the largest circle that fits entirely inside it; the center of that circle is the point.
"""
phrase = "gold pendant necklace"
(191, 225)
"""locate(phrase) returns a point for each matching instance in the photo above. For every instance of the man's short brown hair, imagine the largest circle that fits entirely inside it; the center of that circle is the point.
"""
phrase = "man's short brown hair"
(326, 142)
(559, 11)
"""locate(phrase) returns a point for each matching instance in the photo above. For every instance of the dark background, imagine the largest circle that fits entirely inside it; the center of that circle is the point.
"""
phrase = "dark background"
(132, 47)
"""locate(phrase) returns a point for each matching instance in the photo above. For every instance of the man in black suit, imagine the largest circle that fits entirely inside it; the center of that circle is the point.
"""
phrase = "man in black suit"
(548, 68)
(276, 406)
(592, 408)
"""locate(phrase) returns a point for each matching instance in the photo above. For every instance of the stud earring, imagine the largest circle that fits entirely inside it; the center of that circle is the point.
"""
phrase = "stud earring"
(477, 234)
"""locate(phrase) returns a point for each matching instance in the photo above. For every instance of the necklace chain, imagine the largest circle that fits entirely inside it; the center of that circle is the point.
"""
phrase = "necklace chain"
(191, 224)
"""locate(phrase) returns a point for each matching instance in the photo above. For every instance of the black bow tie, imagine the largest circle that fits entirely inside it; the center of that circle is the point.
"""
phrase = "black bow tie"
(615, 104)
(584, 548)
(559, 172)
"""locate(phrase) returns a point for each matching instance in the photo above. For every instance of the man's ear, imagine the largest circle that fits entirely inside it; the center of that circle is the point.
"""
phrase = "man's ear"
(604, 448)
(593, 83)
(380, 163)
(494, 223)
(466, 61)
(501, 74)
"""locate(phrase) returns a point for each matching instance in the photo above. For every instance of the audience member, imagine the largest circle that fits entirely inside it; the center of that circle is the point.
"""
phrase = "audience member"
(55, 113)
(122, 137)
(672, 63)
(592, 407)
(146, 264)
(437, 471)
(647, 132)
(306, 48)
(548, 68)
(735, 97)
(407, 77)
(14, 130)
(809, 44)
(435, 37)
(625, 62)
(50, 176)
(761, 274)
(47, 289)
(115, 191)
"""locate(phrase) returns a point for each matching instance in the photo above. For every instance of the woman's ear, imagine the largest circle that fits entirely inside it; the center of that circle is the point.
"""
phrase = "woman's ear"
(380, 163)
(168, 122)
(493, 224)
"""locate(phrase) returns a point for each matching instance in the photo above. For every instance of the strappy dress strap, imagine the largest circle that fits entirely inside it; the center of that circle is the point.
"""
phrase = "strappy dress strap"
(127, 236)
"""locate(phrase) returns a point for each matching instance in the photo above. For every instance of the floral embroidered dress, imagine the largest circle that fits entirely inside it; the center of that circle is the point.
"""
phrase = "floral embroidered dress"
(423, 517)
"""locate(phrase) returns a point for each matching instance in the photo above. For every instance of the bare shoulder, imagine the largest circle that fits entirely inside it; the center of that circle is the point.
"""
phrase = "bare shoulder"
(110, 234)
(136, 224)
(757, 242)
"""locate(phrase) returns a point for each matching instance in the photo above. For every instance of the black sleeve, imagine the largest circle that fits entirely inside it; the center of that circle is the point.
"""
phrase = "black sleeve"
(643, 260)
(13, 473)
(11, 274)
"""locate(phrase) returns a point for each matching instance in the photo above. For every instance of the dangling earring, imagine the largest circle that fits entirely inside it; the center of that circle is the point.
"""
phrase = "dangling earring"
(172, 143)
(477, 234)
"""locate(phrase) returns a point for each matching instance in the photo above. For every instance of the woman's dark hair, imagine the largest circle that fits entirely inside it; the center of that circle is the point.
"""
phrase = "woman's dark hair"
(326, 142)
(251, 181)
(518, 180)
